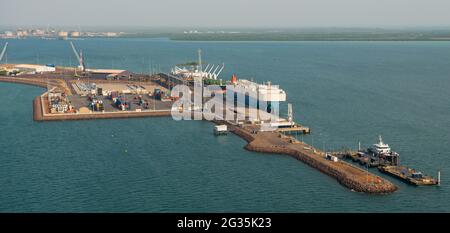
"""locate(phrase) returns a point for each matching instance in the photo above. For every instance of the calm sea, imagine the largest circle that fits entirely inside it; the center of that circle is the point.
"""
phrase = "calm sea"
(345, 91)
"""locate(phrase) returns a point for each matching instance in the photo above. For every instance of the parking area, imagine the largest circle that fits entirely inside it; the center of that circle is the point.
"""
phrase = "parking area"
(144, 88)
(79, 101)
(84, 88)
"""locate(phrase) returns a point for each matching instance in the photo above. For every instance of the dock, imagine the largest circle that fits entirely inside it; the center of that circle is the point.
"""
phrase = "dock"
(409, 175)
(406, 174)
(295, 129)
(346, 174)
(364, 161)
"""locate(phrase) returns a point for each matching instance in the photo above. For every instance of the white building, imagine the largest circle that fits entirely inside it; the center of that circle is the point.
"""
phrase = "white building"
(30, 68)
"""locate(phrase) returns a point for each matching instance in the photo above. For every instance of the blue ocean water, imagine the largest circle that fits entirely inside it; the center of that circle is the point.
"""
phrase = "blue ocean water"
(345, 91)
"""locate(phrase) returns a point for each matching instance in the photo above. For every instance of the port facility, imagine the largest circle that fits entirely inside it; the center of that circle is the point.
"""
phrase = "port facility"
(82, 94)
(348, 175)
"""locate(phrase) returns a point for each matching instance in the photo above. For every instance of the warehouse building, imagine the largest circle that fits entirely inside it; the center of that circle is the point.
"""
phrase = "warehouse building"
(110, 74)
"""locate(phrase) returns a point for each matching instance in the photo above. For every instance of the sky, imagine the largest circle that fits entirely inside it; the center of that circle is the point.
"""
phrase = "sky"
(227, 13)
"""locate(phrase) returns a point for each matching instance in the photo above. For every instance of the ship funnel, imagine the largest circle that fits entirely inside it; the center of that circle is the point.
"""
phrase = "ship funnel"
(233, 79)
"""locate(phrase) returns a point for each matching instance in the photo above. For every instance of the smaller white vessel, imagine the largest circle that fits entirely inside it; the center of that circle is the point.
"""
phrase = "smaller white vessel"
(381, 154)
(380, 148)
(220, 129)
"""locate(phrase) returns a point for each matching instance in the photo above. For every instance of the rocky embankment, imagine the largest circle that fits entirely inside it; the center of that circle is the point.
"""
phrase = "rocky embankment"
(346, 174)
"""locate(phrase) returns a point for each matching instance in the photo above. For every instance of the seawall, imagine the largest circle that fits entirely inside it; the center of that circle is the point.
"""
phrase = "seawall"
(37, 83)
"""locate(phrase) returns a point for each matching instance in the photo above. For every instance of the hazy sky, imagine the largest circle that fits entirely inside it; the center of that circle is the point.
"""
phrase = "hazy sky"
(227, 13)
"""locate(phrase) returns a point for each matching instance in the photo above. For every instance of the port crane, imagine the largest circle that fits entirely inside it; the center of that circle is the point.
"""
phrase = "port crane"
(80, 58)
(3, 51)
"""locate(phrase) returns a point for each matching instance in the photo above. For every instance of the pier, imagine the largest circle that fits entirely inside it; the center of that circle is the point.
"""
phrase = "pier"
(409, 175)
(346, 174)
(295, 129)
(406, 174)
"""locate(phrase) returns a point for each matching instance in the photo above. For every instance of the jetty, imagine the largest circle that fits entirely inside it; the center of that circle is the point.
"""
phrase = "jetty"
(394, 169)
(409, 175)
(346, 174)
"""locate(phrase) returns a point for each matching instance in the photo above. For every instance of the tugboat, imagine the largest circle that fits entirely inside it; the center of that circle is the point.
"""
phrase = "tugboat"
(379, 154)
(382, 153)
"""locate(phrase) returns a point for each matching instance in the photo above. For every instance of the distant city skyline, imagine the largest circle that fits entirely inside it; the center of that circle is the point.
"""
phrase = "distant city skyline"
(230, 13)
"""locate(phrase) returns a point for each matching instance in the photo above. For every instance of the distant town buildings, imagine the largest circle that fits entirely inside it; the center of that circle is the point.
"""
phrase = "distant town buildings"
(111, 34)
(53, 34)
(63, 34)
(21, 33)
(75, 34)
(9, 34)
(209, 32)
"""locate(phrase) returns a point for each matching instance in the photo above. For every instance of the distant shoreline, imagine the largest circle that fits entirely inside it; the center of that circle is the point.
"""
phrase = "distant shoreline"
(300, 36)
(317, 40)
(227, 36)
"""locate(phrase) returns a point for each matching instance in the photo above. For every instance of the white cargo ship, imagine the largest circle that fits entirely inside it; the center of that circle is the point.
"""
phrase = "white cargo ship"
(264, 92)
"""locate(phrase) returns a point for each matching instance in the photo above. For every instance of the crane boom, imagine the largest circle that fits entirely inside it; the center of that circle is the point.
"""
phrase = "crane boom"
(75, 51)
(3, 51)
(79, 57)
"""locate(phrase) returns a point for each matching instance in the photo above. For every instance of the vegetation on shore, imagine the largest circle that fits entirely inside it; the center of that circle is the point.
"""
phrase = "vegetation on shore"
(213, 82)
(191, 63)
(395, 36)
(333, 34)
